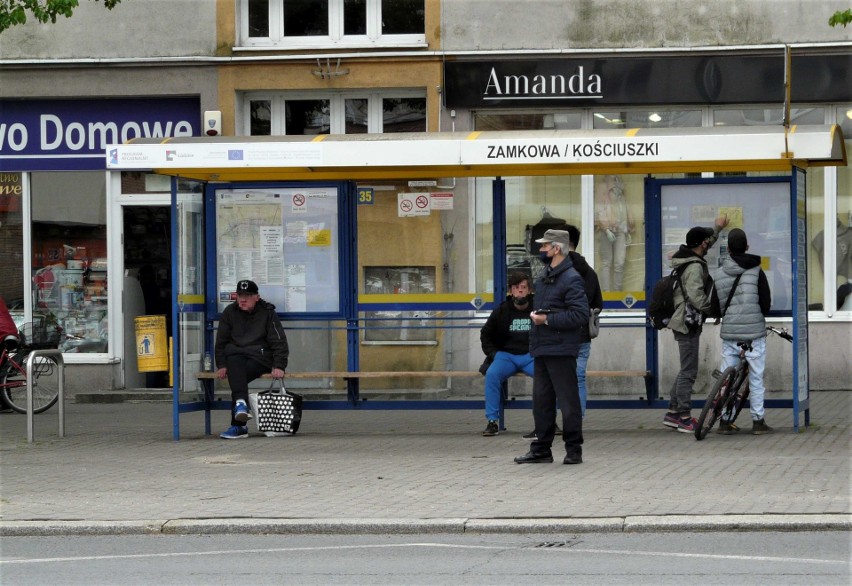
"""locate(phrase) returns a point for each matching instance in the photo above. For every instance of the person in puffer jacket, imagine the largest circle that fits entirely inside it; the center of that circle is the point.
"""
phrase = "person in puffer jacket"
(744, 320)
(560, 312)
(250, 342)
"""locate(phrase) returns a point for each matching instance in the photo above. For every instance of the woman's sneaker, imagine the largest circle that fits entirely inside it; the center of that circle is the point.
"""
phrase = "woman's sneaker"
(491, 429)
(687, 425)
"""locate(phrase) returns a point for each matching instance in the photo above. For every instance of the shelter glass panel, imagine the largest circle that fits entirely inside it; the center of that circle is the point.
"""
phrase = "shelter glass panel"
(620, 236)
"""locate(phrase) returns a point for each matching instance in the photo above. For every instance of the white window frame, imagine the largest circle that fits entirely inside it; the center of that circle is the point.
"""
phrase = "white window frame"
(335, 37)
(337, 107)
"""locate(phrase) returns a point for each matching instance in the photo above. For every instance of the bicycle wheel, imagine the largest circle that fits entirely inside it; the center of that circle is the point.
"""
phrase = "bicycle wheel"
(45, 384)
(717, 398)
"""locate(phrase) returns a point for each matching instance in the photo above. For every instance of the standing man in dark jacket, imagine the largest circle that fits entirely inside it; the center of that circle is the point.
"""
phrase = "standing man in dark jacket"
(744, 320)
(505, 341)
(696, 285)
(250, 342)
(560, 312)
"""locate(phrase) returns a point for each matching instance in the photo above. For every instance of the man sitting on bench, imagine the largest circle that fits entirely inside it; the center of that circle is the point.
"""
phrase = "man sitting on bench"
(505, 340)
(250, 342)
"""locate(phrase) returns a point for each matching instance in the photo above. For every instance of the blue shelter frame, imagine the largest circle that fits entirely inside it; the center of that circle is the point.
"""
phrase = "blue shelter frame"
(349, 308)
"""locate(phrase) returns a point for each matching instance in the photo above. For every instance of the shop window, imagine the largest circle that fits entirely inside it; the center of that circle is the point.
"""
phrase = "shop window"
(843, 223)
(533, 205)
(341, 113)
(620, 235)
(528, 121)
(646, 119)
(11, 244)
(69, 256)
(297, 24)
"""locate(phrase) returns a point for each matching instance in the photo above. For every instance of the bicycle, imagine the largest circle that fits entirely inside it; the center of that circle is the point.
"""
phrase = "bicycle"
(730, 392)
(13, 370)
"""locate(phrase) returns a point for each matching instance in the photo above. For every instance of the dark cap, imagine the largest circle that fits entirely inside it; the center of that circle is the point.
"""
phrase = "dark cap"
(737, 241)
(246, 287)
(697, 235)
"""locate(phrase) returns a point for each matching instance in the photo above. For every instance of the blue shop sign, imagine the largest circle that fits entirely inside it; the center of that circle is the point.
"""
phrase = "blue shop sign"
(71, 135)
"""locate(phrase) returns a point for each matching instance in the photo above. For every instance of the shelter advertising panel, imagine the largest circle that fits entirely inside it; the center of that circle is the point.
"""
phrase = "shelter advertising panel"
(284, 239)
(761, 209)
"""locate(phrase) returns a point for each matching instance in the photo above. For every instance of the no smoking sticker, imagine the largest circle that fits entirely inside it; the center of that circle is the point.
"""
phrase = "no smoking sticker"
(413, 204)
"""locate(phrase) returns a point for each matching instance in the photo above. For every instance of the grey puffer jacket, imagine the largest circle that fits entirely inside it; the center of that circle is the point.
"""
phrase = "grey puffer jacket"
(745, 318)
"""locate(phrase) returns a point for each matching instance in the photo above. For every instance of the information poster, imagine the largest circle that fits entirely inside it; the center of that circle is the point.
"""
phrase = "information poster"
(285, 240)
(762, 210)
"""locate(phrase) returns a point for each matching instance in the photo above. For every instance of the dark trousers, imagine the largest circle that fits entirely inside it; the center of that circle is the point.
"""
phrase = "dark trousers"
(555, 379)
(241, 371)
(680, 397)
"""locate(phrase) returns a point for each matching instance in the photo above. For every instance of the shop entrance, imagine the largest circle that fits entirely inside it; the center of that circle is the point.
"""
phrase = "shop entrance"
(147, 281)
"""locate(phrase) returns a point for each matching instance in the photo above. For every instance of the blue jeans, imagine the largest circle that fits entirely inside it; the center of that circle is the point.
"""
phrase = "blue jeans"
(582, 361)
(756, 364)
(504, 366)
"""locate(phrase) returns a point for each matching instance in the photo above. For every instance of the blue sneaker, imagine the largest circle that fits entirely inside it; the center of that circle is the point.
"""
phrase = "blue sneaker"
(671, 420)
(235, 432)
(241, 412)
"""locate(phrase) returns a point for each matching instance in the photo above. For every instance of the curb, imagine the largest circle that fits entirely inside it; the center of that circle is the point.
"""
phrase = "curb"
(637, 524)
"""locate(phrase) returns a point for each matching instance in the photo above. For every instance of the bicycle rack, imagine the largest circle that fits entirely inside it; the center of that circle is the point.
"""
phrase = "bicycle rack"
(61, 400)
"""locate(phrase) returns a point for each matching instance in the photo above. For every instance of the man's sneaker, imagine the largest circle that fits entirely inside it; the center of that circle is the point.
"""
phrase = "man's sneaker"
(531, 436)
(241, 412)
(671, 420)
(235, 432)
(726, 428)
(759, 427)
(687, 425)
(491, 429)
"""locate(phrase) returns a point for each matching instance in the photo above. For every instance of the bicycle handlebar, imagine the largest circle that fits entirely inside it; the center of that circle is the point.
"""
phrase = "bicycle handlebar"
(781, 332)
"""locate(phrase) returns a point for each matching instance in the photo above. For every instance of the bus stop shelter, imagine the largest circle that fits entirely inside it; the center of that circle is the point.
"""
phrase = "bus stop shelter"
(327, 159)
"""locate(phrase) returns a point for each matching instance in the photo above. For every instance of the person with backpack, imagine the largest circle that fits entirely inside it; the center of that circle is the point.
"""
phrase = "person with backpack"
(692, 299)
(743, 286)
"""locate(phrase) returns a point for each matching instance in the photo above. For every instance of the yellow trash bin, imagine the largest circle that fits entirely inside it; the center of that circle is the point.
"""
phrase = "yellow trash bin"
(152, 344)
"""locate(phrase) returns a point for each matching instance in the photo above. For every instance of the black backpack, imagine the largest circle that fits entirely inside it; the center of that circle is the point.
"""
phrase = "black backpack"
(661, 306)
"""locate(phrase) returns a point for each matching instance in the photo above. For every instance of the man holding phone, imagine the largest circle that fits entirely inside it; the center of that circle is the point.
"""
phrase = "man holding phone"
(560, 312)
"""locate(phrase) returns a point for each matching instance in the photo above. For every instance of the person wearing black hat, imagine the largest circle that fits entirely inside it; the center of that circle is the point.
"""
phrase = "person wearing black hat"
(744, 320)
(250, 342)
(692, 304)
(560, 312)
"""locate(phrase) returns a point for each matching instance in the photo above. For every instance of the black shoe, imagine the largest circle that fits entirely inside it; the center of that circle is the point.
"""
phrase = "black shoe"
(491, 429)
(575, 458)
(531, 458)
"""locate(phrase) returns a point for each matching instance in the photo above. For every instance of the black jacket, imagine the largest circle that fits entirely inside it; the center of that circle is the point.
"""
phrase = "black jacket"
(591, 286)
(257, 334)
(561, 291)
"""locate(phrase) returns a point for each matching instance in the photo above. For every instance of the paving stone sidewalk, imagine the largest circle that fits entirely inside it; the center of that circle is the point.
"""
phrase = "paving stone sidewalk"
(118, 464)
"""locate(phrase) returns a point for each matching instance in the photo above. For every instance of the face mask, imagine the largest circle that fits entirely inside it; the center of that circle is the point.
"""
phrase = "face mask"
(544, 258)
(521, 300)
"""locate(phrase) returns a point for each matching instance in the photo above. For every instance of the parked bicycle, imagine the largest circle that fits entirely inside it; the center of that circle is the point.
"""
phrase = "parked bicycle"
(730, 393)
(46, 372)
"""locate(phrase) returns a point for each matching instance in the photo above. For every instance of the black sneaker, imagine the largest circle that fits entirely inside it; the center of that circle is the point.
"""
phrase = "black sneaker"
(726, 428)
(491, 429)
(759, 427)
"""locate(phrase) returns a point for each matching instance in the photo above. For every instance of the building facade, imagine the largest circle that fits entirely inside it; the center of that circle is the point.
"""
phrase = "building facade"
(94, 246)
